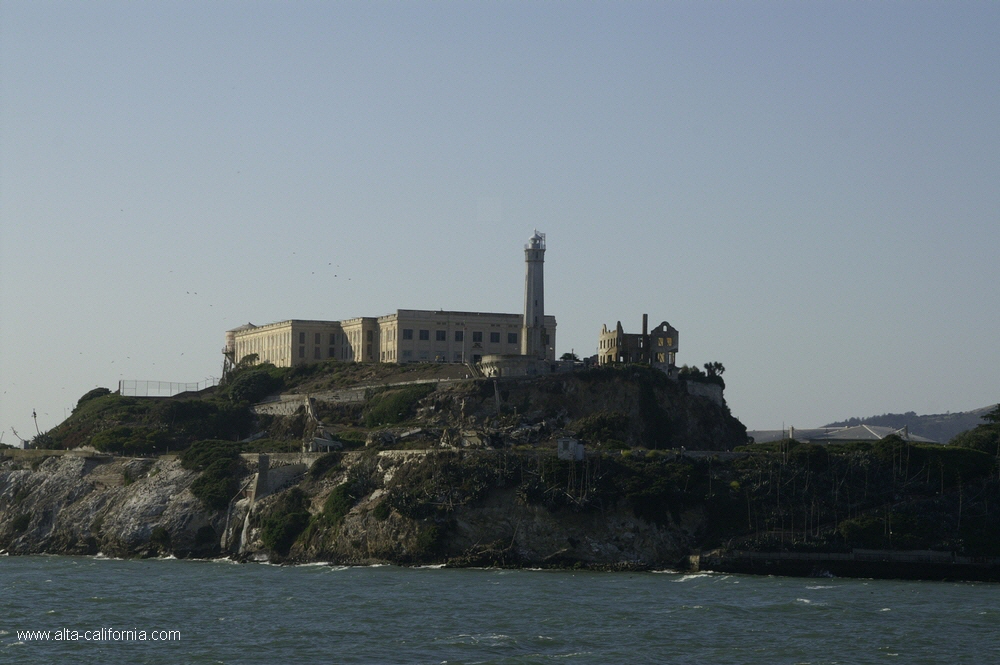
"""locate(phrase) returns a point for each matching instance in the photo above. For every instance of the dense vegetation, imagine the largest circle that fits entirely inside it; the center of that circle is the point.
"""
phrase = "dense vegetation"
(123, 425)
(218, 463)
(790, 495)
(889, 494)
(395, 405)
(135, 426)
(985, 437)
(285, 520)
(712, 374)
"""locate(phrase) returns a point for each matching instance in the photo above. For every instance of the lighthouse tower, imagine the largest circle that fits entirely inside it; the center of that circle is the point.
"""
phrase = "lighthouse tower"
(534, 339)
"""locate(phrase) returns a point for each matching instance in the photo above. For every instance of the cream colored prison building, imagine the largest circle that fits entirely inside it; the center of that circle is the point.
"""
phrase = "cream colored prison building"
(405, 336)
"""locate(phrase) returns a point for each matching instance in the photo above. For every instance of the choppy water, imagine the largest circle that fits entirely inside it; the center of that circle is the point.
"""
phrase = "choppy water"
(229, 613)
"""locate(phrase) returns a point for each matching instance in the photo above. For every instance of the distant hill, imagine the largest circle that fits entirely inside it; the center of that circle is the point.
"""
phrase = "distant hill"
(940, 426)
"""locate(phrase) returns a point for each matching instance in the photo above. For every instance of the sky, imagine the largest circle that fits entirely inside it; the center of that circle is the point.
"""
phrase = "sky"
(809, 192)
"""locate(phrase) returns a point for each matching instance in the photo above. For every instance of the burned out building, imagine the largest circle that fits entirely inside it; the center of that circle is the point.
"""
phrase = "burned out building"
(656, 347)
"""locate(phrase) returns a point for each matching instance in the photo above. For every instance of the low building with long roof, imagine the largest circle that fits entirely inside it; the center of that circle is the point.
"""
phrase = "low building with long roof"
(836, 434)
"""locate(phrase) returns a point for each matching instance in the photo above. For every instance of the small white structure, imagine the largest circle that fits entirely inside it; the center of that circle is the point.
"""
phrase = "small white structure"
(569, 449)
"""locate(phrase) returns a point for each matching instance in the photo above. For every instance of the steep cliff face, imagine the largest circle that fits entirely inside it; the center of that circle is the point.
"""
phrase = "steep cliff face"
(464, 508)
(488, 508)
(118, 506)
(504, 529)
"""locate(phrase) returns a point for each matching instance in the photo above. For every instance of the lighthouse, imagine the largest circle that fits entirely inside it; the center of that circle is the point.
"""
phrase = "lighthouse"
(534, 340)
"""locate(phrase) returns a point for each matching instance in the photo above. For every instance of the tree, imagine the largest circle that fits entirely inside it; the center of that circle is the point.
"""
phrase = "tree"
(714, 369)
(251, 386)
(985, 437)
(93, 394)
(691, 372)
(248, 360)
(570, 357)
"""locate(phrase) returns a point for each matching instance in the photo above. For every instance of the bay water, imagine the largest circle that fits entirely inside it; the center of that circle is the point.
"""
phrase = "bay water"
(56, 609)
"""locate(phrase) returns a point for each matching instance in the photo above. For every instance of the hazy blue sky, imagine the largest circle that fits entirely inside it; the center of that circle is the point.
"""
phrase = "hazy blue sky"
(808, 191)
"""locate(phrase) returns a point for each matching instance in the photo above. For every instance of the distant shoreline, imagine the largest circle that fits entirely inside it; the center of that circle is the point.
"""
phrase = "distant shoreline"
(760, 564)
(876, 564)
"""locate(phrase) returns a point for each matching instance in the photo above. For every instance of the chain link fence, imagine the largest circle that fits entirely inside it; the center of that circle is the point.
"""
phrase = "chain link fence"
(131, 388)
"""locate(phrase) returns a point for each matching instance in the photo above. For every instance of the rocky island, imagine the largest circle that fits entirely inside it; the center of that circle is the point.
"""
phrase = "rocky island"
(610, 467)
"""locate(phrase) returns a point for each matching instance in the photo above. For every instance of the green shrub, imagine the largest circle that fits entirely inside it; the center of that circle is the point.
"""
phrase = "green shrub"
(985, 438)
(812, 456)
(353, 438)
(326, 463)
(395, 405)
(382, 511)
(93, 394)
(338, 504)
(866, 531)
(124, 440)
(212, 418)
(286, 519)
(253, 385)
(217, 461)
(111, 440)
(604, 426)
(203, 453)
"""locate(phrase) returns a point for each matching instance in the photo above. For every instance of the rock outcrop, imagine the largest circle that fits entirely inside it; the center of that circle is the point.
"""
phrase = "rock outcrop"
(398, 512)
(75, 504)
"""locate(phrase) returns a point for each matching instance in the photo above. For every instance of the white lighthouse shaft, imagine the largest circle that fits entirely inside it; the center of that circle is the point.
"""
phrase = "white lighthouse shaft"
(533, 337)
